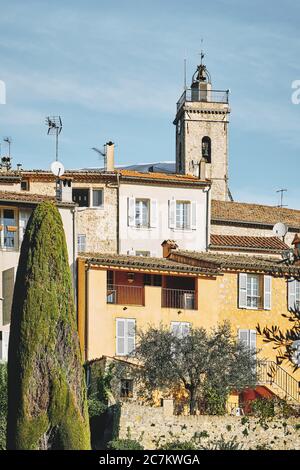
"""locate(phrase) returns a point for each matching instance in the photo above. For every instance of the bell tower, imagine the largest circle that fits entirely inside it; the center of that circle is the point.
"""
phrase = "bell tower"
(202, 132)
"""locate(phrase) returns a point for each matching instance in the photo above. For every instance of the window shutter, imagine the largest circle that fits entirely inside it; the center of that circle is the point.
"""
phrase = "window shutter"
(130, 336)
(292, 294)
(172, 212)
(267, 292)
(244, 337)
(242, 290)
(24, 216)
(252, 337)
(175, 328)
(185, 329)
(131, 211)
(153, 213)
(131, 252)
(193, 215)
(120, 337)
(4, 338)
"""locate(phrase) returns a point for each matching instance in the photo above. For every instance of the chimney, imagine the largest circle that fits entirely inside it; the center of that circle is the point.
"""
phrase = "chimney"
(167, 246)
(64, 190)
(110, 156)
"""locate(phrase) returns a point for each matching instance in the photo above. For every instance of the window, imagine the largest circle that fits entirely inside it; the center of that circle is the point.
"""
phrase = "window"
(97, 197)
(254, 291)
(206, 149)
(81, 243)
(142, 213)
(81, 196)
(183, 214)
(126, 388)
(125, 336)
(25, 185)
(180, 329)
(8, 229)
(293, 294)
(248, 338)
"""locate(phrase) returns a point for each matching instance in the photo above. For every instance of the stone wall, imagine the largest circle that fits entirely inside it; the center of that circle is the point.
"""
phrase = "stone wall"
(155, 426)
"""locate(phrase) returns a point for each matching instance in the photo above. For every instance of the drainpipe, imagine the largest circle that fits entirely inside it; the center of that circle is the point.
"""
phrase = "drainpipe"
(207, 191)
(86, 348)
(118, 213)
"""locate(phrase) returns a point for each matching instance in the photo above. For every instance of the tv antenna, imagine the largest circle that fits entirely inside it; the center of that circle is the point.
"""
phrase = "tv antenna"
(281, 194)
(103, 154)
(54, 124)
(8, 140)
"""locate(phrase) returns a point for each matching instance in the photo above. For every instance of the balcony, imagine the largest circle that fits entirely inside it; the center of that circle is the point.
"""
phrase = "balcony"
(208, 96)
(177, 298)
(125, 295)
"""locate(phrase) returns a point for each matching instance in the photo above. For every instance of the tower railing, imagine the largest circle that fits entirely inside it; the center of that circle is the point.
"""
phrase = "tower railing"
(206, 96)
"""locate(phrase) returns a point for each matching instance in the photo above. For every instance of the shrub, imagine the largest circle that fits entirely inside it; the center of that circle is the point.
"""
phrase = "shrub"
(96, 407)
(177, 445)
(221, 444)
(124, 444)
(215, 402)
(3, 405)
(263, 408)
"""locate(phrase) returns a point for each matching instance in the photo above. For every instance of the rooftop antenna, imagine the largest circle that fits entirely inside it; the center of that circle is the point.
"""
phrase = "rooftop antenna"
(54, 124)
(184, 74)
(202, 55)
(8, 140)
(103, 154)
(281, 193)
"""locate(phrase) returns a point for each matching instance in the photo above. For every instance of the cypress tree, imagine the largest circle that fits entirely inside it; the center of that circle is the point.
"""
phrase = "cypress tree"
(47, 407)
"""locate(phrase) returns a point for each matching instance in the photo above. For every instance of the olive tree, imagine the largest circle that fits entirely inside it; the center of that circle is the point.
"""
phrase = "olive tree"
(195, 361)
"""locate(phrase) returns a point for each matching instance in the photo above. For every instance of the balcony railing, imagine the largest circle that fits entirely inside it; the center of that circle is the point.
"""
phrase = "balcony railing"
(208, 96)
(177, 298)
(125, 295)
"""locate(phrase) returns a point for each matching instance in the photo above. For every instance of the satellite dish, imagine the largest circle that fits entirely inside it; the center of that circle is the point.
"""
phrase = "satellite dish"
(57, 168)
(280, 230)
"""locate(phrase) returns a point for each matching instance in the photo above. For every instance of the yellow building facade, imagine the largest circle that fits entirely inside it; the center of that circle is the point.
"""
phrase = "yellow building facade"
(118, 296)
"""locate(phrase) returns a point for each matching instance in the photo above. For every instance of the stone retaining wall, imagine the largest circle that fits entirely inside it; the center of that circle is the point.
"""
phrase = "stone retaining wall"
(154, 427)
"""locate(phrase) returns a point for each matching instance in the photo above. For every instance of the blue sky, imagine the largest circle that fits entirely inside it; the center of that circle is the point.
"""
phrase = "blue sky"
(114, 70)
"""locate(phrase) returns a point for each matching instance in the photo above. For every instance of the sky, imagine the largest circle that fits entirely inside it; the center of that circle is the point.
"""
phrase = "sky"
(113, 70)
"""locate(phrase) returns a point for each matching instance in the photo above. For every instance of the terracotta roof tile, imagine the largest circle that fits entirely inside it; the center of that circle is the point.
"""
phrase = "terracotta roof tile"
(252, 243)
(29, 198)
(235, 262)
(145, 262)
(254, 213)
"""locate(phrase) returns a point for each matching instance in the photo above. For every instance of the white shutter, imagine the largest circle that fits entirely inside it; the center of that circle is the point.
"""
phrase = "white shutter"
(4, 351)
(120, 337)
(185, 329)
(131, 252)
(292, 294)
(252, 339)
(175, 328)
(24, 216)
(172, 213)
(153, 213)
(244, 337)
(131, 211)
(242, 290)
(130, 336)
(193, 215)
(267, 292)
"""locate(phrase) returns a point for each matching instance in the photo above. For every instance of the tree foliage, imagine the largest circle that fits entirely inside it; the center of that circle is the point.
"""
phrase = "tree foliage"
(283, 340)
(3, 405)
(47, 406)
(198, 361)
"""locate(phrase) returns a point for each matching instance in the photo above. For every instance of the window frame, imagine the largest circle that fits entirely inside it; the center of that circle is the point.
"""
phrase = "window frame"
(139, 203)
(16, 237)
(92, 198)
(188, 216)
(79, 243)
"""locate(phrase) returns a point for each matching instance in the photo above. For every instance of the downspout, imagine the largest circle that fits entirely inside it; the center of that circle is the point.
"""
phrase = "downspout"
(118, 213)
(74, 256)
(86, 342)
(207, 190)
